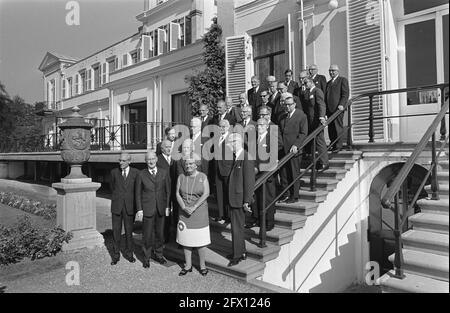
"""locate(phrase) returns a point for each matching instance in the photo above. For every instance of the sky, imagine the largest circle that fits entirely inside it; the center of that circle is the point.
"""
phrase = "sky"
(31, 28)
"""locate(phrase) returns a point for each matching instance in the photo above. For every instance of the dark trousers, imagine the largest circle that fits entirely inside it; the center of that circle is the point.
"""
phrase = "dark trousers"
(321, 147)
(128, 221)
(335, 129)
(171, 221)
(271, 190)
(222, 195)
(237, 217)
(153, 236)
(289, 172)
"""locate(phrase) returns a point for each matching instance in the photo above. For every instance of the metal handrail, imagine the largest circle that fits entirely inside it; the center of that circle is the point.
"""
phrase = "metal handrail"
(312, 138)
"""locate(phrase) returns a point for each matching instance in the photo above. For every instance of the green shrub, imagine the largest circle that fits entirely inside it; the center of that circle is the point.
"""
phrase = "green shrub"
(23, 240)
(47, 211)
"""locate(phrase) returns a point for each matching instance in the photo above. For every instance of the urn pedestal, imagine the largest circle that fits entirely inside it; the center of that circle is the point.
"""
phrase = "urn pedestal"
(76, 193)
(76, 212)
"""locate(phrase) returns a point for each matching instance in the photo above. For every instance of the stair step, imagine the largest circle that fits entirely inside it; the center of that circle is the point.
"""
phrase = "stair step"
(289, 221)
(327, 184)
(305, 208)
(412, 283)
(425, 264)
(443, 164)
(434, 206)
(333, 173)
(277, 235)
(223, 243)
(436, 223)
(316, 196)
(217, 261)
(443, 190)
(342, 163)
(344, 154)
(442, 176)
(425, 241)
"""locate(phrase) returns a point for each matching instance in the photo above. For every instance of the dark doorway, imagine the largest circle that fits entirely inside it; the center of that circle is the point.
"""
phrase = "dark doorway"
(181, 109)
(380, 235)
(134, 125)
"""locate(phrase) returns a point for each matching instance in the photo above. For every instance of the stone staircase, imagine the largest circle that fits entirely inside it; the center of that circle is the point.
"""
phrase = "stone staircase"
(426, 245)
(288, 219)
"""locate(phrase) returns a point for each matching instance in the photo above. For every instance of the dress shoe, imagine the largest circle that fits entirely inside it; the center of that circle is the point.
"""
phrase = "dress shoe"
(130, 259)
(184, 271)
(160, 260)
(227, 220)
(203, 271)
(250, 225)
(292, 200)
(322, 167)
(146, 264)
(114, 261)
(269, 228)
(230, 256)
(236, 261)
(284, 199)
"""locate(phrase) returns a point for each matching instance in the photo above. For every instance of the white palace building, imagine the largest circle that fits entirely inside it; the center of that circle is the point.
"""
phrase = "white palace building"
(339, 233)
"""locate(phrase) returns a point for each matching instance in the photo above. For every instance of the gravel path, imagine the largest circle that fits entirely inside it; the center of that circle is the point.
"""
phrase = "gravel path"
(97, 275)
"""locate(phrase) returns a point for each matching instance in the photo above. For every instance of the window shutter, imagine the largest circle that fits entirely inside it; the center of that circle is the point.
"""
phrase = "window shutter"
(89, 79)
(63, 93)
(146, 46)
(104, 73)
(175, 35)
(161, 40)
(116, 63)
(237, 66)
(366, 67)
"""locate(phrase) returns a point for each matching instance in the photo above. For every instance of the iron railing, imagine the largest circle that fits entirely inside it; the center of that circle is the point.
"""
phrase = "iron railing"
(312, 137)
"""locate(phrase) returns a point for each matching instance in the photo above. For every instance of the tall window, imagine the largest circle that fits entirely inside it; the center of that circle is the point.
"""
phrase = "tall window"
(181, 108)
(97, 76)
(269, 54)
(69, 87)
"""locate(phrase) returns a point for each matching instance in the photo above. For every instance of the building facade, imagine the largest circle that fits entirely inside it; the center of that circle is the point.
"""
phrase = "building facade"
(136, 86)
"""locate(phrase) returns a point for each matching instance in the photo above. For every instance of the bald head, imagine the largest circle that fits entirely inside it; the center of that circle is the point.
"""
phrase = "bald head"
(124, 160)
(334, 70)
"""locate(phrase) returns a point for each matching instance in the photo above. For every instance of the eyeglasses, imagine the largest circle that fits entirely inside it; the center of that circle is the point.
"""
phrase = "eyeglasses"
(262, 96)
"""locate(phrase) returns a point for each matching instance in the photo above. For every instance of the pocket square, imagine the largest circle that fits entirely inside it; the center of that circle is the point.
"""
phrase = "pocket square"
(311, 97)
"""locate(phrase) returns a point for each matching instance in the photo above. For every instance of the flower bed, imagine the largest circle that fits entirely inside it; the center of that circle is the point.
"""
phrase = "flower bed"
(24, 240)
(47, 211)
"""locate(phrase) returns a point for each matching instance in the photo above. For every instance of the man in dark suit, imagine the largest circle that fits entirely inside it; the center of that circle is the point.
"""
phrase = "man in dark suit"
(166, 162)
(223, 163)
(300, 91)
(266, 160)
(122, 185)
(204, 116)
(316, 112)
(171, 135)
(153, 204)
(294, 129)
(274, 98)
(254, 96)
(320, 81)
(226, 113)
(290, 84)
(336, 97)
(198, 140)
(240, 195)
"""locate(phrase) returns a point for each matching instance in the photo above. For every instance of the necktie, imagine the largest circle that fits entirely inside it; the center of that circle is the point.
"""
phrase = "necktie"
(124, 174)
(245, 123)
(153, 172)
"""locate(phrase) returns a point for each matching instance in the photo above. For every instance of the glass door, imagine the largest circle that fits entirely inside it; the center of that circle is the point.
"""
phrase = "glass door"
(423, 60)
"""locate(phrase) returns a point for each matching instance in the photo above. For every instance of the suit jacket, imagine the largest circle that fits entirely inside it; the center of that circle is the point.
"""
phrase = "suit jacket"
(198, 145)
(315, 108)
(123, 191)
(292, 86)
(266, 157)
(233, 116)
(242, 182)
(336, 94)
(254, 100)
(223, 166)
(153, 193)
(321, 82)
(208, 121)
(294, 130)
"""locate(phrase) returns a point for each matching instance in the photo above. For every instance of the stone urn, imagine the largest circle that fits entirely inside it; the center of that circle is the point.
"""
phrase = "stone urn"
(75, 145)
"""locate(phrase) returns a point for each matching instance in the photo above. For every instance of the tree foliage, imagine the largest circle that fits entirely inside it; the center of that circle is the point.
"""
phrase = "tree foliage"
(17, 119)
(208, 85)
